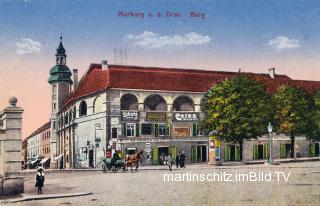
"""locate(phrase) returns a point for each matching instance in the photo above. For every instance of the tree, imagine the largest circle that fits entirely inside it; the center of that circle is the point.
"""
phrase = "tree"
(295, 113)
(238, 108)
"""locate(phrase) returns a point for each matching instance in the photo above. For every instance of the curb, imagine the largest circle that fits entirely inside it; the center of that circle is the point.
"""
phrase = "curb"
(45, 197)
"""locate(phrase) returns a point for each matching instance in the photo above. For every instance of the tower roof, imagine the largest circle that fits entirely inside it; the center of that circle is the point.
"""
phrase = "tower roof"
(60, 72)
(61, 50)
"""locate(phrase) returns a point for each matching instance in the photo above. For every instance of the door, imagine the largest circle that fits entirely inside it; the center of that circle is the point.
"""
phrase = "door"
(232, 153)
(316, 152)
(260, 151)
(91, 158)
(203, 153)
(288, 150)
(163, 153)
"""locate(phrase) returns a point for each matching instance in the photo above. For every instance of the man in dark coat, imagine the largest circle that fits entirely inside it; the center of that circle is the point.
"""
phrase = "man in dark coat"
(182, 159)
(40, 179)
(178, 160)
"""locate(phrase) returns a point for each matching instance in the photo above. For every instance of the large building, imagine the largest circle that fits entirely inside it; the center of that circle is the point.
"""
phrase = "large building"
(132, 107)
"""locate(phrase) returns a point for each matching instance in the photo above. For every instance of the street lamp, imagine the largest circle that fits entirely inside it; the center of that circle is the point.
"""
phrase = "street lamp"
(270, 143)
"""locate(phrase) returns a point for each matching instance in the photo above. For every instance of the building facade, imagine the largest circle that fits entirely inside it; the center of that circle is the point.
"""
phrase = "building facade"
(45, 135)
(132, 108)
(33, 149)
(38, 147)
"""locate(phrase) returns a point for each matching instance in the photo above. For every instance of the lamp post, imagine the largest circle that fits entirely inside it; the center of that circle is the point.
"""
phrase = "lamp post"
(270, 143)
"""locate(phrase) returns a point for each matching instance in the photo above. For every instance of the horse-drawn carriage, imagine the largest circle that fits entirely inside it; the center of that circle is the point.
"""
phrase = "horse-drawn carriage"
(115, 164)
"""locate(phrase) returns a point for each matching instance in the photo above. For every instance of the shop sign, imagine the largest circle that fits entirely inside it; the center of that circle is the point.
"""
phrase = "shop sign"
(185, 116)
(156, 116)
(181, 131)
(129, 116)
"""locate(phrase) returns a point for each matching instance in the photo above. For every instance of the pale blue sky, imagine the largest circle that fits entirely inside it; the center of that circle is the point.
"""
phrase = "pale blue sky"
(253, 35)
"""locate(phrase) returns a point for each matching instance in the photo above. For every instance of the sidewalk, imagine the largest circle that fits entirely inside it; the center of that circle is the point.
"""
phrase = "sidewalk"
(43, 197)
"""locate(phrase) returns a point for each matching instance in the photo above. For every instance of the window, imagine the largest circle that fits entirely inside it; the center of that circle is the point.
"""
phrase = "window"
(200, 132)
(83, 109)
(66, 119)
(114, 133)
(54, 88)
(98, 105)
(146, 129)
(70, 115)
(74, 113)
(162, 130)
(130, 130)
(197, 130)
(54, 105)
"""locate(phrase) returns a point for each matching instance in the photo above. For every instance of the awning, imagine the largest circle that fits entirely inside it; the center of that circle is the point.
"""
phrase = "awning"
(44, 160)
(58, 157)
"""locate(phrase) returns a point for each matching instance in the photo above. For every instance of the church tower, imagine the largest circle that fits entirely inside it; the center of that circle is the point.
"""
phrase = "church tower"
(60, 81)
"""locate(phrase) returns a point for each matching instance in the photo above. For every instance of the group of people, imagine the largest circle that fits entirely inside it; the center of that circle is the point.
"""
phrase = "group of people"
(180, 159)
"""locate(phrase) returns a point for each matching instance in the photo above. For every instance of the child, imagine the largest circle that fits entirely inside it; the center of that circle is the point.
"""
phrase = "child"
(40, 179)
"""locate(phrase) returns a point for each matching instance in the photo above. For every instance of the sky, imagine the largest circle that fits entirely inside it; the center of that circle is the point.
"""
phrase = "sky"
(208, 34)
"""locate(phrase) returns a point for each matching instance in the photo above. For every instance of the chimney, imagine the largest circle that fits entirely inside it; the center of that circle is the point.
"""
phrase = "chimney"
(272, 72)
(75, 79)
(104, 64)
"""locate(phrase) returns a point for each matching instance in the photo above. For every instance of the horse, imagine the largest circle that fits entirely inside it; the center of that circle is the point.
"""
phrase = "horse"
(134, 160)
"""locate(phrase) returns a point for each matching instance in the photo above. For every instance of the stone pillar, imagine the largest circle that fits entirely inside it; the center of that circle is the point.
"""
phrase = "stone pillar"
(10, 149)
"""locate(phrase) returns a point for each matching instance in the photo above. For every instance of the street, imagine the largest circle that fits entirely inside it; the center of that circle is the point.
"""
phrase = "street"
(147, 187)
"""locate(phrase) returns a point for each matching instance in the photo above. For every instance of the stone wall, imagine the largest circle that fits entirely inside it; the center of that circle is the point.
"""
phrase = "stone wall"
(11, 181)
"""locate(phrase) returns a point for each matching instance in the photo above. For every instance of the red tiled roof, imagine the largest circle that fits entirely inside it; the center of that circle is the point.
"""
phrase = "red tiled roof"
(169, 79)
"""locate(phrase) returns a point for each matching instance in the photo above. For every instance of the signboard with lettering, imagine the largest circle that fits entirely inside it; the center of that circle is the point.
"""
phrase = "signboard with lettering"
(129, 116)
(181, 131)
(185, 116)
(156, 116)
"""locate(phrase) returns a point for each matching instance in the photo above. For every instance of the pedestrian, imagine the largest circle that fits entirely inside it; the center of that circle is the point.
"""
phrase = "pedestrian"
(169, 161)
(39, 179)
(178, 160)
(182, 159)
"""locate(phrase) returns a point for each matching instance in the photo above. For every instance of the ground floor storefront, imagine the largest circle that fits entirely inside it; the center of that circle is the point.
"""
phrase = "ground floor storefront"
(156, 150)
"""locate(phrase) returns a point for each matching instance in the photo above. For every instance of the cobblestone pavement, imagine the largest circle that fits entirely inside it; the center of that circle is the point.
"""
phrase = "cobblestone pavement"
(147, 187)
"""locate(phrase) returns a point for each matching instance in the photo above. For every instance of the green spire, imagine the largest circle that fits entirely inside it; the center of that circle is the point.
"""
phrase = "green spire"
(60, 72)
(60, 49)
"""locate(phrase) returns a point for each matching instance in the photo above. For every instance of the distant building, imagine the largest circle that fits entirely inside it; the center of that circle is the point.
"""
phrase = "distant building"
(38, 147)
(45, 135)
(33, 150)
